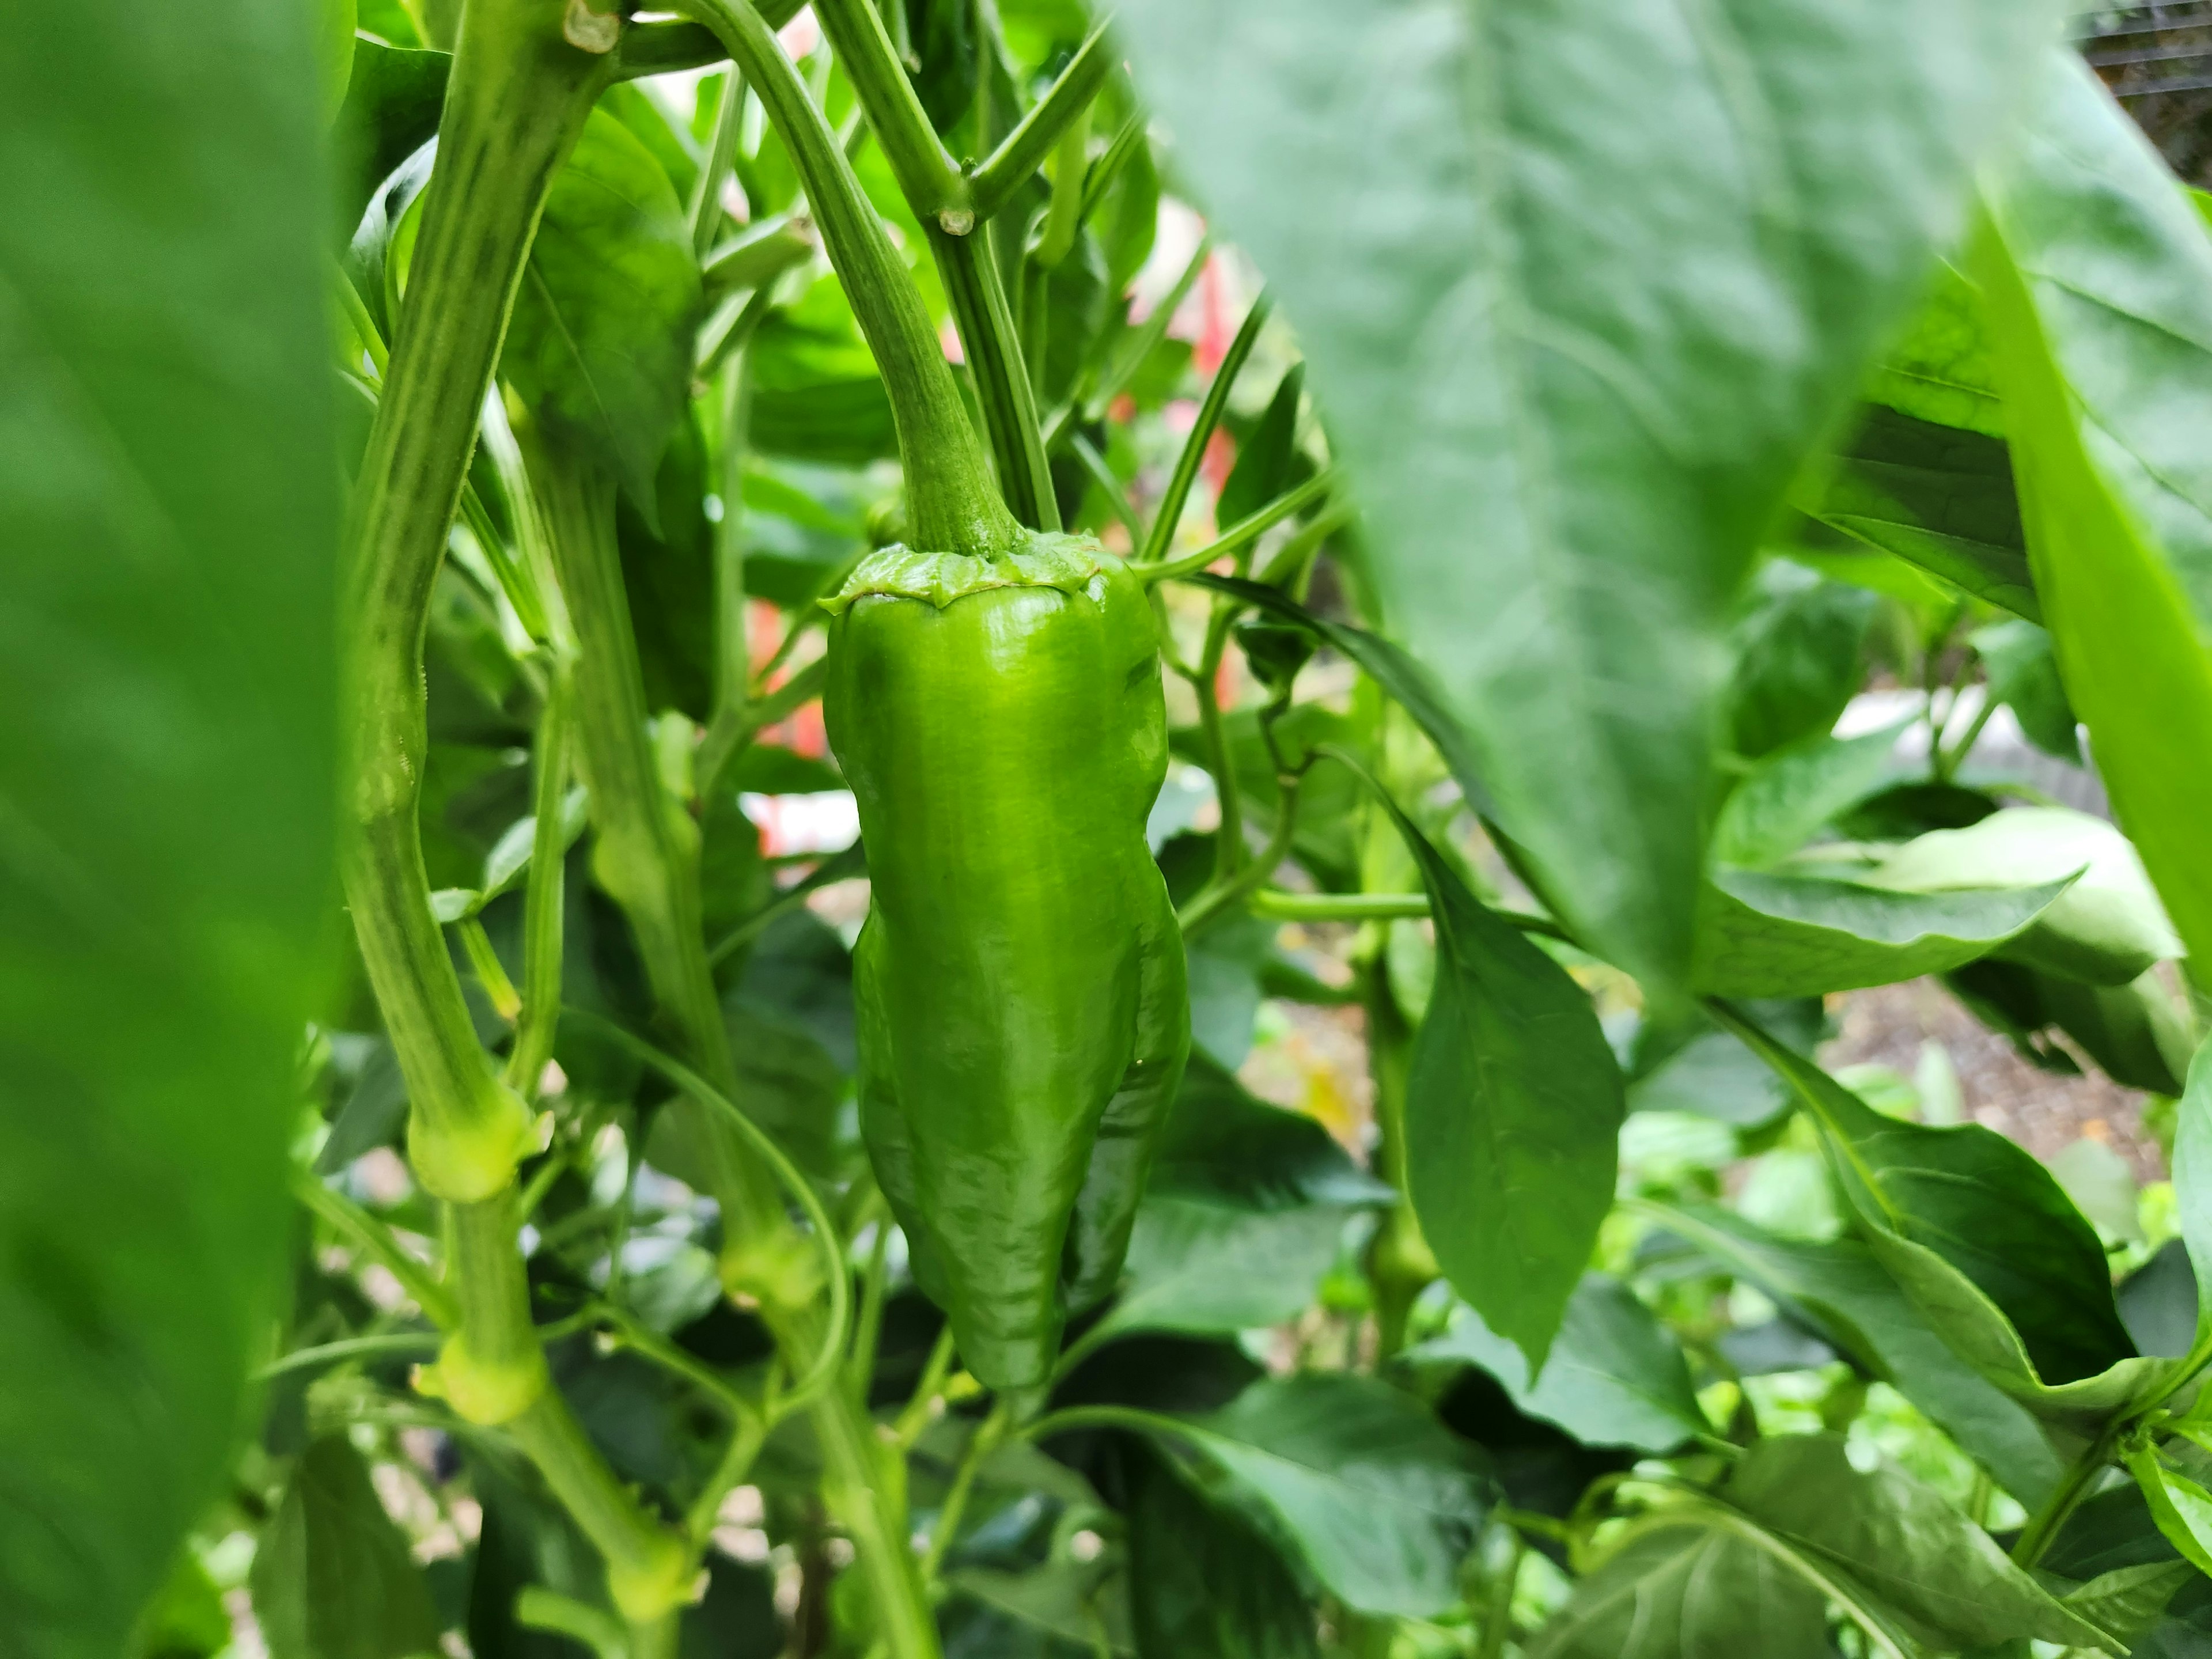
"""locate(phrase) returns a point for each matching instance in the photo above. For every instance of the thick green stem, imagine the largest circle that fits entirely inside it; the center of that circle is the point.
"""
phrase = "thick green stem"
(1000, 372)
(952, 504)
(1027, 145)
(928, 178)
(2043, 1527)
(649, 1567)
(516, 98)
(646, 855)
(544, 899)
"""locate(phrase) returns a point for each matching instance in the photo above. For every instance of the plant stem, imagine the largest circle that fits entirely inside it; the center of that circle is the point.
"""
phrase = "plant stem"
(373, 1237)
(1276, 905)
(2042, 1528)
(1201, 432)
(951, 502)
(516, 98)
(1246, 531)
(646, 855)
(1000, 372)
(544, 899)
(988, 1434)
(733, 660)
(928, 177)
(706, 207)
(1221, 896)
(1009, 167)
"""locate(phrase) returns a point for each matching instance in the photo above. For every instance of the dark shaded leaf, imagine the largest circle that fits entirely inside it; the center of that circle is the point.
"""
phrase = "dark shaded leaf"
(1615, 1375)
(333, 1578)
(1798, 658)
(2024, 675)
(1204, 1583)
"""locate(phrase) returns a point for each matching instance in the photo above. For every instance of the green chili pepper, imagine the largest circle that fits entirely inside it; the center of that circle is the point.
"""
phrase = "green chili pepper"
(1022, 1019)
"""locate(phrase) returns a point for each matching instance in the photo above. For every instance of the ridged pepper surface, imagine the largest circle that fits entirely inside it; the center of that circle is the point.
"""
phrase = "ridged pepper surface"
(1020, 978)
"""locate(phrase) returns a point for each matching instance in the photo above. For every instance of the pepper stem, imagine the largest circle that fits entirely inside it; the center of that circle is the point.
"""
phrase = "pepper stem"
(952, 505)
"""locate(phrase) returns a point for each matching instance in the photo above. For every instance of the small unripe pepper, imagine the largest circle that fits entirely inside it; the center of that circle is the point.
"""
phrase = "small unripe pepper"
(1020, 978)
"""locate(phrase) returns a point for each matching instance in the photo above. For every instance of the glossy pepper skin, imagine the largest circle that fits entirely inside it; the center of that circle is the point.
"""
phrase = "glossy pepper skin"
(1020, 979)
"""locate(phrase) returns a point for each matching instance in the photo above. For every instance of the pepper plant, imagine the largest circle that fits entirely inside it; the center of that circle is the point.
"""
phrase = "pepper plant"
(1556, 539)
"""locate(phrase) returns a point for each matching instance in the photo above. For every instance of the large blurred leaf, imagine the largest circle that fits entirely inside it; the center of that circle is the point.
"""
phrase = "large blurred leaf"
(166, 625)
(1615, 1376)
(1204, 1583)
(1841, 1291)
(600, 344)
(1761, 934)
(1579, 282)
(1374, 1493)
(2192, 1175)
(1935, 1573)
(1938, 496)
(1687, 1591)
(1513, 1109)
(333, 1578)
(2099, 283)
(1981, 1238)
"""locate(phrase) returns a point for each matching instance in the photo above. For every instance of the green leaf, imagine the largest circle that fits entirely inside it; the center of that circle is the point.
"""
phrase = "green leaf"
(2107, 928)
(1203, 1581)
(1901, 1543)
(1370, 1489)
(599, 346)
(2192, 1175)
(169, 514)
(1797, 657)
(1986, 1243)
(2127, 1601)
(1939, 497)
(1689, 1592)
(1840, 1290)
(1204, 1268)
(2099, 281)
(1795, 790)
(1615, 1377)
(1569, 439)
(1264, 465)
(392, 102)
(1085, 1604)
(1222, 1144)
(1513, 1109)
(1940, 370)
(332, 1578)
(2182, 1509)
(1771, 935)
(2024, 673)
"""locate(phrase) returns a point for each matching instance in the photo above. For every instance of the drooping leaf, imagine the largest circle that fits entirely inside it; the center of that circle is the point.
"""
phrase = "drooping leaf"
(168, 509)
(1689, 1592)
(333, 1578)
(1513, 1108)
(1378, 1499)
(1987, 1246)
(1766, 934)
(1204, 1583)
(2182, 1508)
(1264, 465)
(1795, 790)
(2099, 282)
(1082, 1604)
(2024, 676)
(1902, 1543)
(1615, 1375)
(1570, 439)
(1940, 497)
(2107, 928)
(1842, 1291)
(599, 346)
(2128, 1602)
